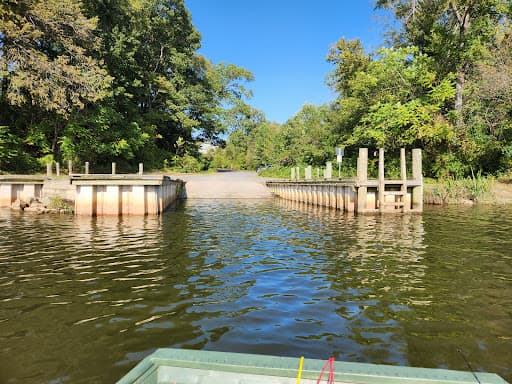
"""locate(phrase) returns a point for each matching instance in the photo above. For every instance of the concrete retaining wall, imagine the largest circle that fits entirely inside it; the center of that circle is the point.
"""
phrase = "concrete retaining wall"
(116, 195)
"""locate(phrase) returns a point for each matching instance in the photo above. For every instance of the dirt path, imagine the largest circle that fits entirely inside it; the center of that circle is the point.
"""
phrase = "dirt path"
(225, 185)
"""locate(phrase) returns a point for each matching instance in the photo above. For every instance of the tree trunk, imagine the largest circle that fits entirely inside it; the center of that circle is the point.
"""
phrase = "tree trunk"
(459, 89)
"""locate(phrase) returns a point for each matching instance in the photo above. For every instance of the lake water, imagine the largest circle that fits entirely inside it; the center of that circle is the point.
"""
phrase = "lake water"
(83, 300)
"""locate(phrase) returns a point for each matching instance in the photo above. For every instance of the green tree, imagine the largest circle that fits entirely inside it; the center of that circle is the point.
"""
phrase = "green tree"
(47, 69)
(456, 33)
(396, 99)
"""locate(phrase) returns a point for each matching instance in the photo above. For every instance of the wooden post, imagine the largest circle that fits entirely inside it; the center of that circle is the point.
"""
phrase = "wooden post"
(48, 169)
(113, 168)
(381, 179)
(141, 168)
(417, 174)
(362, 179)
(403, 175)
(70, 167)
(86, 167)
(57, 169)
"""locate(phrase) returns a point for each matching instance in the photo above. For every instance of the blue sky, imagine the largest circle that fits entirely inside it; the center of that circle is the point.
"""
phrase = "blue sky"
(284, 44)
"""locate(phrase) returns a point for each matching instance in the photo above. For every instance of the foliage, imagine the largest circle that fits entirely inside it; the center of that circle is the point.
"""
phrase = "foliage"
(110, 81)
(57, 202)
(456, 190)
(123, 81)
(8, 147)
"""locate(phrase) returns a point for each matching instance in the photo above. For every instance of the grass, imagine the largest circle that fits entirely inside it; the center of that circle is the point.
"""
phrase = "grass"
(57, 202)
(475, 188)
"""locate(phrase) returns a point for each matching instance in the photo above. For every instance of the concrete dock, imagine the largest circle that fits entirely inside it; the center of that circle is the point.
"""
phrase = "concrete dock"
(360, 194)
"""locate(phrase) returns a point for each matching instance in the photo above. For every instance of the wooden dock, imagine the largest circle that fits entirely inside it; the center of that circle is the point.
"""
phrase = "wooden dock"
(360, 194)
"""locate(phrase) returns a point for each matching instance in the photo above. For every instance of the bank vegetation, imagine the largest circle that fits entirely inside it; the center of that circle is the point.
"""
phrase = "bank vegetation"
(123, 81)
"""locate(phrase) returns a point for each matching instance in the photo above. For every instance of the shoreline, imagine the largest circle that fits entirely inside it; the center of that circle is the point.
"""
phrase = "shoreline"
(436, 193)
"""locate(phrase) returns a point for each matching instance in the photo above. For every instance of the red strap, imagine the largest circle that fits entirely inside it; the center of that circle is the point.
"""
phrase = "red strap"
(330, 379)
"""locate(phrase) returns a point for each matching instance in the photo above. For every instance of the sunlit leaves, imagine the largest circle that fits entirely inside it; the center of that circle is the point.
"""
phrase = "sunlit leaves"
(45, 55)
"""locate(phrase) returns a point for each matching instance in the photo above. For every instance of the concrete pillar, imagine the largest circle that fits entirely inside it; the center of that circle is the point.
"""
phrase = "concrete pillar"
(28, 191)
(151, 200)
(6, 197)
(113, 168)
(48, 169)
(417, 175)
(403, 176)
(314, 189)
(362, 179)
(307, 173)
(332, 196)
(70, 167)
(57, 168)
(350, 200)
(340, 197)
(371, 200)
(362, 165)
(141, 168)
(86, 167)
(85, 200)
(112, 201)
(328, 171)
(297, 173)
(137, 200)
(381, 179)
(292, 175)
(163, 195)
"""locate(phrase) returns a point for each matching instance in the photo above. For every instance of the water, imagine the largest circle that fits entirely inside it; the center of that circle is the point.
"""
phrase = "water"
(83, 300)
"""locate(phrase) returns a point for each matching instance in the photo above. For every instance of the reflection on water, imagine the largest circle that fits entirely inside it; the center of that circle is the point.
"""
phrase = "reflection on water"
(83, 300)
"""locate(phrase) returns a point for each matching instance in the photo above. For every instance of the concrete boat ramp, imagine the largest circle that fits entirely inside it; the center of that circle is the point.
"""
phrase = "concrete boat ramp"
(225, 185)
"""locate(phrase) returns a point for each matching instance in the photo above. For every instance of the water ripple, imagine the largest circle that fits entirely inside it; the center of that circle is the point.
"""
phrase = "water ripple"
(256, 277)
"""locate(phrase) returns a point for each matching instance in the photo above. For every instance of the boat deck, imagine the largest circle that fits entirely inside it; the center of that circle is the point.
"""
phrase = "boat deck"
(178, 366)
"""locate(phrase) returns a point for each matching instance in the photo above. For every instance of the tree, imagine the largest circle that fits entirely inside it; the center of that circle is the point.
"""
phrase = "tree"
(456, 33)
(395, 99)
(46, 63)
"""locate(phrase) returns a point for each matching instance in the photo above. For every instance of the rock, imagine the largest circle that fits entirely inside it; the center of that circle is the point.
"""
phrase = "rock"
(37, 204)
(19, 205)
(33, 209)
(30, 200)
